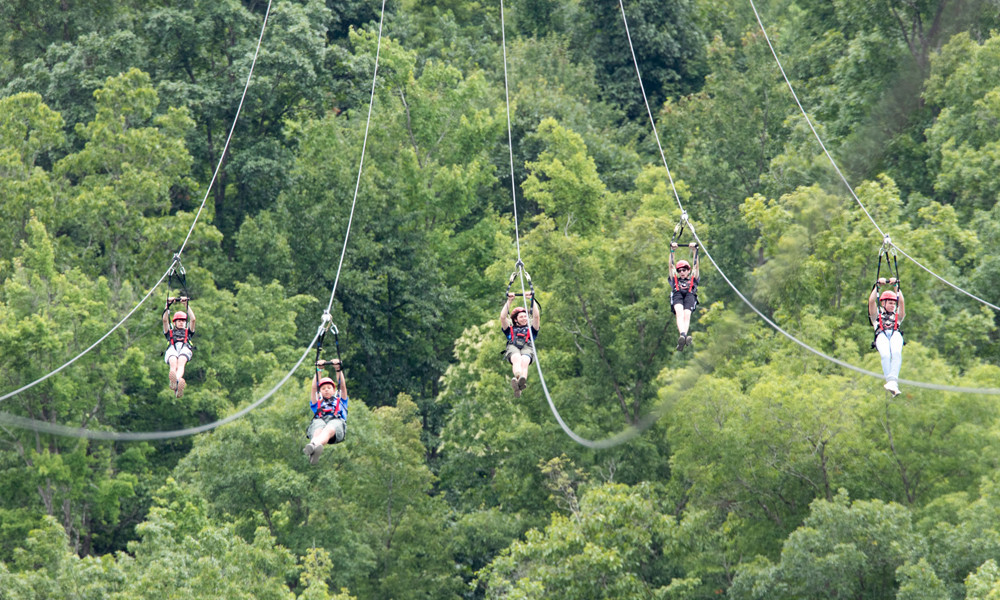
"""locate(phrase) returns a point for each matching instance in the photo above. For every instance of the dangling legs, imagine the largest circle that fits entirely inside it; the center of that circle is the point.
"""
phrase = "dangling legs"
(514, 356)
(890, 350)
(172, 361)
(181, 362)
(522, 379)
(334, 430)
(896, 359)
(683, 322)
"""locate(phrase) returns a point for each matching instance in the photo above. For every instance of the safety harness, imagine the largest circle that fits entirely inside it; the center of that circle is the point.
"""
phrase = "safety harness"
(322, 412)
(521, 336)
(887, 249)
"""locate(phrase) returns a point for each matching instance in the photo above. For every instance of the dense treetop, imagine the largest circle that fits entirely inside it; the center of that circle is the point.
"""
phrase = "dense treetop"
(770, 473)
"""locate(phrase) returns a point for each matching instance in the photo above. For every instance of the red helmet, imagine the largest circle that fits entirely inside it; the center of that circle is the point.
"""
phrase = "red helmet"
(888, 295)
(180, 316)
(325, 381)
(683, 263)
(517, 310)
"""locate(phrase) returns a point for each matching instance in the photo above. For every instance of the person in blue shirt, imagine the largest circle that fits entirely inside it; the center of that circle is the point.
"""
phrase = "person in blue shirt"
(520, 339)
(328, 402)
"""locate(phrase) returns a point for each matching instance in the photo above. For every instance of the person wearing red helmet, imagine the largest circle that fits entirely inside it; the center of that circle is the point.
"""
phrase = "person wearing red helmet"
(178, 330)
(521, 336)
(328, 402)
(684, 296)
(886, 311)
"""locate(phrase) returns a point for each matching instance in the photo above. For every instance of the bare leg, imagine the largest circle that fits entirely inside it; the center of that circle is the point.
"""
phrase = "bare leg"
(172, 376)
(679, 311)
(323, 436)
(685, 320)
(181, 363)
(321, 439)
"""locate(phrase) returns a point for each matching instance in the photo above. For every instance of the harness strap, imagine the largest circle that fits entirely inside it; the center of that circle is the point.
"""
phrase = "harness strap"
(172, 342)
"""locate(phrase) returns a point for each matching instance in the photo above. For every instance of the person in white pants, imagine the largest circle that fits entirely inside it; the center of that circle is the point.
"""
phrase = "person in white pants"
(886, 311)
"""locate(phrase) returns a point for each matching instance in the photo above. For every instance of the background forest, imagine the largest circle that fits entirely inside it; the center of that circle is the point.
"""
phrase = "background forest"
(770, 473)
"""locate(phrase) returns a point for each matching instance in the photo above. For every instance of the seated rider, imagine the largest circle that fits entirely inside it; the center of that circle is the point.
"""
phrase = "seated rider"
(886, 312)
(520, 339)
(329, 406)
(178, 333)
(684, 297)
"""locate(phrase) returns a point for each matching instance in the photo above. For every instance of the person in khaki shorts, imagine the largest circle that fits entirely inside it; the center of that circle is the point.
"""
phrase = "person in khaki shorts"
(178, 331)
(521, 338)
(328, 402)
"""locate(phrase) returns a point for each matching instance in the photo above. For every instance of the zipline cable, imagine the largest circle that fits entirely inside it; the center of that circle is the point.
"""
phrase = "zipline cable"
(81, 432)
(361, 163)
(920, 384)
(177, 256)
(93, 434)
(836, 168)
(628, 433)
(510, 141)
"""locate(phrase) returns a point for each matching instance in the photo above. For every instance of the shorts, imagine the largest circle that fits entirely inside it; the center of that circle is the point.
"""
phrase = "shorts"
(173, 351)
(689, 300)
(513, 351)
(318, 423)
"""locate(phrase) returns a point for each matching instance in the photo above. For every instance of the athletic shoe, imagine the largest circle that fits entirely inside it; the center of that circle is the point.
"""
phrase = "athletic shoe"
(314, 457)
(892, 387)
(308, 450)
(681, 341)
(522, 382)
(515, 386)
(173, 381)
(181, 384)
(688, 339)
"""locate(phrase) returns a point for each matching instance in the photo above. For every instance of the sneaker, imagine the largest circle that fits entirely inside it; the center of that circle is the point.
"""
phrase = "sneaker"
(522, 382)
(314, 457)
(308, 450)
(173, 381)
(681, 341)
(515, 386)
(688, 339)
(892, 387)
(181, 384)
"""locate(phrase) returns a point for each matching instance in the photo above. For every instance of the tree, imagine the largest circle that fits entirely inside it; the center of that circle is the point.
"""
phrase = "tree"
(842, 550)
(124, 175)
(616, 544)
(48, 317)
(668, 46)
(29, 132)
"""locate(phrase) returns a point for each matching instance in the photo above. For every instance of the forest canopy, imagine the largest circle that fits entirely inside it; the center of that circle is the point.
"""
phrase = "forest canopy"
(761, 470)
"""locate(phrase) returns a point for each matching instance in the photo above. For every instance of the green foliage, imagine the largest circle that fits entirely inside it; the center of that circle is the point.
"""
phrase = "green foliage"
(183, 555)
(842, 550)
(113, 116)
(29, 131)
(614, 546)
(668, 46)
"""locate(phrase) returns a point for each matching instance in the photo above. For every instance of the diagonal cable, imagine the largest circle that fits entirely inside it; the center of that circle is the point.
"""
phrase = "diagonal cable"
(836, 168)
(630, 432)
(361, 163)
(95, 434)
(190, 230)
(80, 432)
(920, 384)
